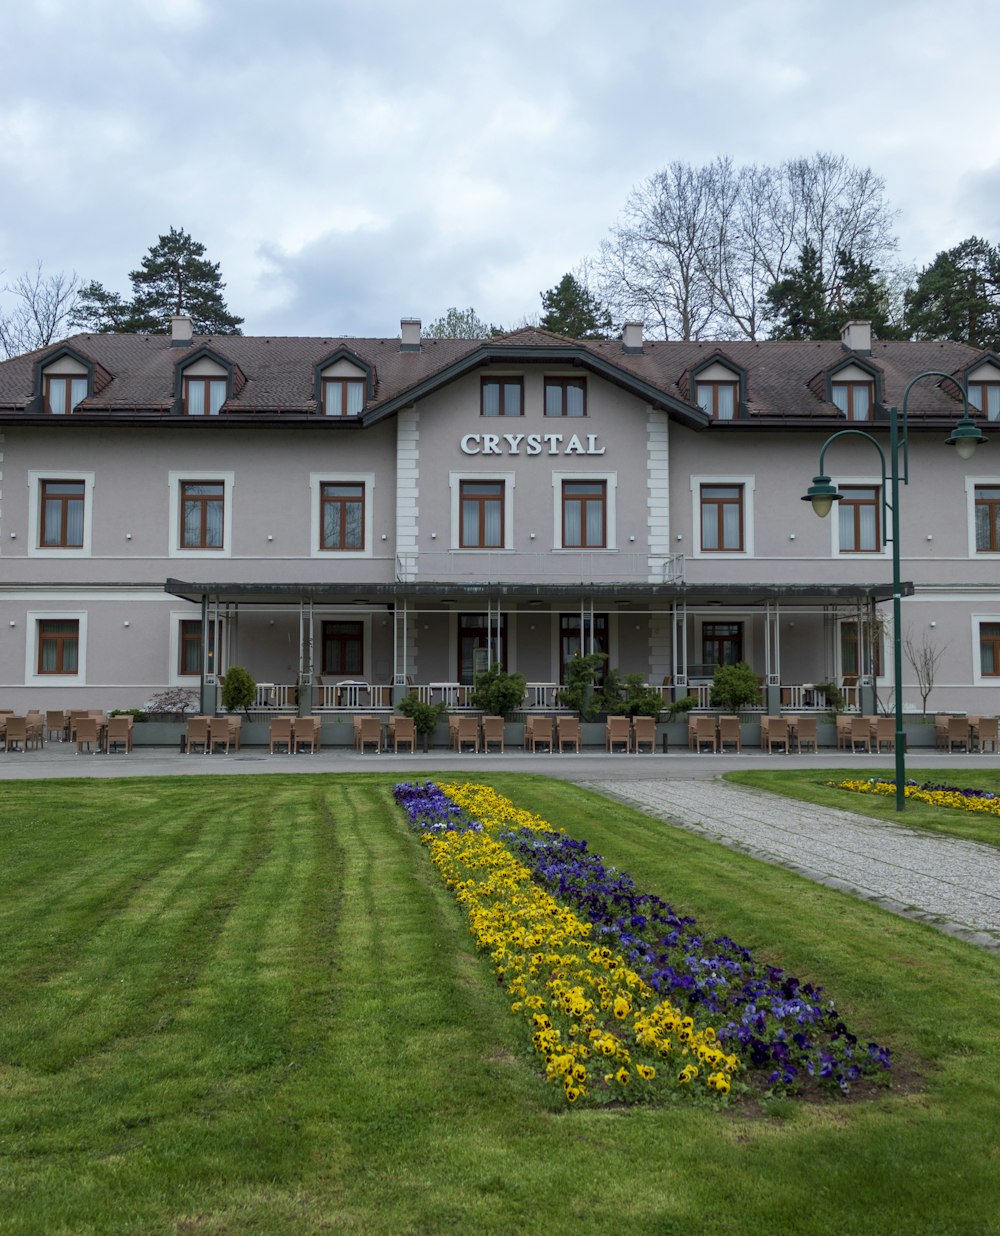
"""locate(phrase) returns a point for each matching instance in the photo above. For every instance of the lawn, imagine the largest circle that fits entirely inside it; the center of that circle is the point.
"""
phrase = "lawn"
(248, 1005)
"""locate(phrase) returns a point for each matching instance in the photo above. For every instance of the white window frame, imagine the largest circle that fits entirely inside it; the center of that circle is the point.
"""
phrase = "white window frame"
(35, 479)
(455, 480)
(979, 679)
(749, 483)
(32, 678)
(886, 529)
(174, 479)
(316, 482)
(972, 483)
(610, 480)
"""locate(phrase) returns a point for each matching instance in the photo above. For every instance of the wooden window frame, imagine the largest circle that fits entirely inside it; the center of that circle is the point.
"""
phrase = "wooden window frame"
(983, 406)
(330, 497)
(203, 501)
(63, 501)
(851, 497)
(563, 385)
(583, 500)
(714, 386)
(62, 640)
(991, 640)
(69, 379)
(205, 382)
(188, 637)
(992, 506)
(721, 503)
(341, 640)
(593, 630)
(343, 384)
(712, 634)
(497, 493)
(502, 384)
(851, 387)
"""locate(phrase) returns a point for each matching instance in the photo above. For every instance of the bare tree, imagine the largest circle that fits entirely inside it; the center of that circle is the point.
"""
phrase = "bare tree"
(697, 248)
(925, 657)
(42, 307)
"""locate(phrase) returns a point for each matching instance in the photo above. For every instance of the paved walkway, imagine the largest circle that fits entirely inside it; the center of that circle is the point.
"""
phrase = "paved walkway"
(945, 881)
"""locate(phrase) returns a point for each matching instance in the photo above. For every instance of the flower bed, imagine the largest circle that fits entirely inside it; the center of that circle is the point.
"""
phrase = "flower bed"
(777, 1025)
(936, 795)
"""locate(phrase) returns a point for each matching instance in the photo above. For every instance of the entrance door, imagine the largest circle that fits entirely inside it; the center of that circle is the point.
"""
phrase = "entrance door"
(474, 645)
(343, 647)
(582, 636)
(721, 643)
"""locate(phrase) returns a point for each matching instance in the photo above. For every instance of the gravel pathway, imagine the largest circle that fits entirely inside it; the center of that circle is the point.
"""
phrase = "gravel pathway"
(952, 884)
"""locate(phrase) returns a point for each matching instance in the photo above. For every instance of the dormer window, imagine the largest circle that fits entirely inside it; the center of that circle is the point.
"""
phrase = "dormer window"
(719, 399)
(63, 392)
(854, 399)
(985, 397)
(204, 396)
(343, 396)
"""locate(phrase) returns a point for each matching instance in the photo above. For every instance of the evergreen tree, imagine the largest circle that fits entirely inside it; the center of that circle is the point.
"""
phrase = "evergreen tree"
(572, 309)
(798, 302)
(173, 278)
(958, 296)
(805, 308)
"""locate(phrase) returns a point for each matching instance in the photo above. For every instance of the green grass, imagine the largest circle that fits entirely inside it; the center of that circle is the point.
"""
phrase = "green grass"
(247, 1005)
(812, 785)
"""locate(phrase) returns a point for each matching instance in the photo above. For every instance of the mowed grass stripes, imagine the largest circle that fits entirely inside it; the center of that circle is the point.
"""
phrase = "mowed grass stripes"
(248, 1004)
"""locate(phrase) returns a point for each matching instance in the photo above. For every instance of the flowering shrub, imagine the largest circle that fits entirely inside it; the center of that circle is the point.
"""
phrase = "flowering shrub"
(775, 1022)
(936, 795)
(601, 1030)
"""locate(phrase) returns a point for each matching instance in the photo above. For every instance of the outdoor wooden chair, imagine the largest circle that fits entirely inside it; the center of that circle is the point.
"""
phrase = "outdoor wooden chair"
(541, 733)
(805, 732)
(219, 734)
(118, 734)
(617, 734)
(306, 734)
(568, 733)
(467, 734)
(861, 734)
(644, 734)
(705, 733)
(88, 732)
(235, 728)
(988, 727)
(19, 736)
(55, 723)
(729, 733)
(403, 730)
(280, 735)
(941, 731)
(884, 734)
(196, 735)
(370, 735)
(493, 733)
(844, 726)
(958, 733)
(777, 734)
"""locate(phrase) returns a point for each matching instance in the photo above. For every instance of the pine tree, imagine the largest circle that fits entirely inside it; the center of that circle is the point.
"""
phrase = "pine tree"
(958, 296)
(805, 308)
(572, 309)
(173, 278)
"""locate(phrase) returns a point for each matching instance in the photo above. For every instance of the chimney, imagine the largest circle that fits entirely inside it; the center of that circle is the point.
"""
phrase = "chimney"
(857, 337)
(181, 331)
(632, 338)
(409, 329)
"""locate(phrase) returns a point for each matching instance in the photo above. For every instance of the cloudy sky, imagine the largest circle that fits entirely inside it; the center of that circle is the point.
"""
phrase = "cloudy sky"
(351, 164)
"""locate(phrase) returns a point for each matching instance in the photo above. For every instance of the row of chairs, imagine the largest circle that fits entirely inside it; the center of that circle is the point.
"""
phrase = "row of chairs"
(209, 734)
(471, 733)
(966, 733)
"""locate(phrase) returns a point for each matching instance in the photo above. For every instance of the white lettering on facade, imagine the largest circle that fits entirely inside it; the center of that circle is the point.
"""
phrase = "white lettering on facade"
(575, 447)
(553, 439)
(592, 447)
(470, 444)
(513, 441)
(534, 443)
(493, 444)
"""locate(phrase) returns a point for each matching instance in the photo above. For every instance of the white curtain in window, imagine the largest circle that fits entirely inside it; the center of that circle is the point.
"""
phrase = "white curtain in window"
(595, 524)
(355, 398)
(470, 523)
(512, 398)
(78, 392)
(574, 401)
(492, 531)
(491, 399)
(709, 527)
(57, 396)
(731, 526)
(196, 399)
(74, 523)
(866, 523)
(727, 403)
(217, 396)
(213, 525)
(571, 524)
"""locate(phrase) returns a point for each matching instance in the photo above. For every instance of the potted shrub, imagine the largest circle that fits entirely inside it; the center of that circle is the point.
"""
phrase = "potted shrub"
(238, 690)
(734, 687)
(425, 716)
(496, 692)
(580, 691)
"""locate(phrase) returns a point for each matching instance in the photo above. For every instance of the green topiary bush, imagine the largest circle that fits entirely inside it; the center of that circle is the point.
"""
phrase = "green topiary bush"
(238, 690)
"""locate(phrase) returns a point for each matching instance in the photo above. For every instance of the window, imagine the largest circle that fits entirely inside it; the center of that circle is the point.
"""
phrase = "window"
(501, 397)
(584, 514)
(62, 394)
(719, 399)
(987, 518)
(60, 521)
(204, 396)
(985, 396)
(854, 399)
(565, 397)
(343, 396)
(871, 635)
(721, 643)
(202, 514)
(989, 649)
(58, 646)
(722, 518)
(343, 647)
(481, 505)
(342, 516)
(477, 645)
(189, 646)
(858, 518)
(580, 635)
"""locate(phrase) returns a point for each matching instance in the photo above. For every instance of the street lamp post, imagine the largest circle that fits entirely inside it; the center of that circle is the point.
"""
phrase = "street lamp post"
(965, 437)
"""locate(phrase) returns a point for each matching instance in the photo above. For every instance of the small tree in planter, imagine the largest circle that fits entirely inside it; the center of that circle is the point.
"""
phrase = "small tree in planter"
(425, 716)
(636, 698)
(834, 696)
(238, 690)
(734, 687)
(496, 692)
(579, 691)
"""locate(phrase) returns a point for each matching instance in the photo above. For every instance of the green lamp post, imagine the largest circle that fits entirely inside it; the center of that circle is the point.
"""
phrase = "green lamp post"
(822, 493)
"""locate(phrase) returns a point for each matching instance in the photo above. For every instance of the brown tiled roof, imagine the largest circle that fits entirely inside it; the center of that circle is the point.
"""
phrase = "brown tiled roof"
(785, 380)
